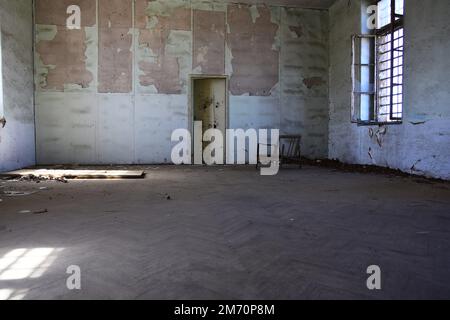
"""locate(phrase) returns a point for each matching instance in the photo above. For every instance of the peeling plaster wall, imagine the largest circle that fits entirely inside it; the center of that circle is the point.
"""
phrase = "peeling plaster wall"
(421, 145)
(209, 41)
(115, 71)
(164, 50)
(17, 147)
(114, 91)
(252, 39)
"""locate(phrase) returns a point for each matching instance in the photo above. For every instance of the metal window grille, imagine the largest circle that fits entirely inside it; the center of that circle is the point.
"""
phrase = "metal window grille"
(390, 48)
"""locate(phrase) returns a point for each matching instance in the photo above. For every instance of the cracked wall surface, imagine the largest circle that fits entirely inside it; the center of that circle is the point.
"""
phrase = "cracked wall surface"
(421, 144)
(113, 91)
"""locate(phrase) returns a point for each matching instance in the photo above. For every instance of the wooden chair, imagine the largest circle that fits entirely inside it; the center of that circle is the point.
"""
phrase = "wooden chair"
(290, 151)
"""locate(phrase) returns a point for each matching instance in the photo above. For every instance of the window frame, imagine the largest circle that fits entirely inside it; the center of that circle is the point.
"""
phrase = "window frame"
(357, 68)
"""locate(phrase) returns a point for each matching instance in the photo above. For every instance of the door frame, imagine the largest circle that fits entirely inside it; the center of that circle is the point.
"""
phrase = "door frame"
(191, 114)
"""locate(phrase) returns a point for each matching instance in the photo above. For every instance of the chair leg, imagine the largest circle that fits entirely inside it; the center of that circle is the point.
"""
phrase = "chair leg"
(257, 157)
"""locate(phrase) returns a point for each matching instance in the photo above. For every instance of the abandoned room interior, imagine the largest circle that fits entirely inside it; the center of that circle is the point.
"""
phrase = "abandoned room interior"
(234, 149)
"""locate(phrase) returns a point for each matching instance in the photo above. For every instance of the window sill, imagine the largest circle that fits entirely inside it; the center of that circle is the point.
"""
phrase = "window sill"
(376, 123)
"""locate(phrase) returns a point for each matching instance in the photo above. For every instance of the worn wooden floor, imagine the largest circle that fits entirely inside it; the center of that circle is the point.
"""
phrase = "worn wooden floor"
(227, 233)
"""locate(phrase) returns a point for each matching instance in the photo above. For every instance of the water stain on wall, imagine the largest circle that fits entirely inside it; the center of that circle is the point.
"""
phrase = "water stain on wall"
(314, 82)
(255, 61)
(297, 30)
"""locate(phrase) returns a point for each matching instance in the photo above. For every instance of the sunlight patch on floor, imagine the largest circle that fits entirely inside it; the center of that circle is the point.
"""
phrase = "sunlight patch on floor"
(20, 264)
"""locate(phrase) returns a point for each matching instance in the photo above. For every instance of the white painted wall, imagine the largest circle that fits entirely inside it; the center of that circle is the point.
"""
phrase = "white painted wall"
(107, 128)
(421, 145)
(17, 141)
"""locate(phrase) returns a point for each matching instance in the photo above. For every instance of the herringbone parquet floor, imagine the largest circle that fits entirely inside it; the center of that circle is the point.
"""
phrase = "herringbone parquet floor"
(228, 233)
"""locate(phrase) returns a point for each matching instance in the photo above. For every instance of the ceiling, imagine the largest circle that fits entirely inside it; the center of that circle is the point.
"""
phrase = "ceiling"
(314, 4)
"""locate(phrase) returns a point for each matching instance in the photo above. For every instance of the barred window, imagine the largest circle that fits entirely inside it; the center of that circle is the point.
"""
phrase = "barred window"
(377, 68)
(390, 61)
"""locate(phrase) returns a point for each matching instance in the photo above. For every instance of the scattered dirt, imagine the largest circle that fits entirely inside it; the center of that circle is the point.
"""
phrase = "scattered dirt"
(38, 179)
(40, 211)
(335, 164)
(34, 211)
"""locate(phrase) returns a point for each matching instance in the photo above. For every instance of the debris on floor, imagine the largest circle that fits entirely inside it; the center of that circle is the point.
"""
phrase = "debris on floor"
(38, 179)
(345, 167)
(34, 212)
(38, 175)
(18, 193)
(166, 196)
(40, 211)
